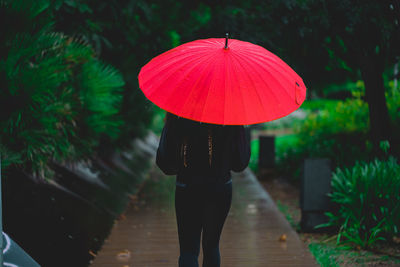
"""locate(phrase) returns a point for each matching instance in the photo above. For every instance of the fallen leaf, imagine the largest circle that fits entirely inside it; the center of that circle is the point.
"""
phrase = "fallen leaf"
(122, 217)
(92, 253)
(283, 237)
(124, 255)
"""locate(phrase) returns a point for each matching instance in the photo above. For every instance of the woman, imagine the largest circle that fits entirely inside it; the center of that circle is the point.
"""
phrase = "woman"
(202, 156)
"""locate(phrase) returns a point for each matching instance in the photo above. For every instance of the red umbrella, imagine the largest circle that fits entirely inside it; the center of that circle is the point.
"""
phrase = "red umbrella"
(211, 81)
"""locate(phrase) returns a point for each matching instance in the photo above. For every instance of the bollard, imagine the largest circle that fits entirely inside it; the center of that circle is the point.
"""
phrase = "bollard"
(315, 185)
(266, 157)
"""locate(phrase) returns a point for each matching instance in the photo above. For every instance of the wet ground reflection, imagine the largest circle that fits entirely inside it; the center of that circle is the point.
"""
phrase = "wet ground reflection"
(252, 235)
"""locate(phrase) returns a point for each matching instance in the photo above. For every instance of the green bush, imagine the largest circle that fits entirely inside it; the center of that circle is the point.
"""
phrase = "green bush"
(57, 99)
(288, 154)
(337, 130)
(318, 104)
(393, 103)
(254, 147)
(128, 34)
(339, 133)
(368, 202)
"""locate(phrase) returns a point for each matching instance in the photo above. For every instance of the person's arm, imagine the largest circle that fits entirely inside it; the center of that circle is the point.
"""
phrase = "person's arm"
(240, 149)
(168, 149)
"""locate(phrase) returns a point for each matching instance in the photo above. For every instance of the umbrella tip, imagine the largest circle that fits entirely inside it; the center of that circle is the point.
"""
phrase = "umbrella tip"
(226, 40)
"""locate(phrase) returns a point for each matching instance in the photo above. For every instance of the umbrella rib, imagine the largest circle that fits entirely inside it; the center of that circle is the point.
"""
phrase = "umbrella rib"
(179, 55)
(224, 98)
(251, 80)
(283, 71)
(277, 67)
(234, 72)
(187, 74)
(158, 71)
(165, 65)
(189, 77)
(290, 110)
(277, 81)
(209, 89)
(197, 80)
(279, 115)
(291, 82)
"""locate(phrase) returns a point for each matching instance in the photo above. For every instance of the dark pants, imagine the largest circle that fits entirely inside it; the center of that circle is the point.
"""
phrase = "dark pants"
(200, 208)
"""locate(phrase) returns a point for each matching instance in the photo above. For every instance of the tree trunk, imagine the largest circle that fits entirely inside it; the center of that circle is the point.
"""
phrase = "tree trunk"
(380, 126)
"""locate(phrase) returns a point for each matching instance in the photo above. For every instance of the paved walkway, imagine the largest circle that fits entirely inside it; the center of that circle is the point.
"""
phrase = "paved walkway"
(147, 233)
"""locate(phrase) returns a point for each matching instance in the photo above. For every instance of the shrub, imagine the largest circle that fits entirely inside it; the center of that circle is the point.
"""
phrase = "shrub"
(57, 98)
(339, 133)
(368, 202)
(337, 130)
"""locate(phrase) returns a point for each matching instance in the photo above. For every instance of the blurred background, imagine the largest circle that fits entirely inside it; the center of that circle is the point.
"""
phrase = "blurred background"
(69, 89)
(69, 71)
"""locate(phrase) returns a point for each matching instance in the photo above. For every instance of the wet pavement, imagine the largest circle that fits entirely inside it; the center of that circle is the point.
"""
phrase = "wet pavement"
(255, 233)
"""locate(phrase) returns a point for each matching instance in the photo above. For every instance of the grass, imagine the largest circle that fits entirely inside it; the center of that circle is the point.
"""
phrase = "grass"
(285, 210)
(328, 254)
(325, 255)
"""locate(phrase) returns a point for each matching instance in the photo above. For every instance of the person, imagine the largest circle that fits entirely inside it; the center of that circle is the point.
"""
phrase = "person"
(201, 155)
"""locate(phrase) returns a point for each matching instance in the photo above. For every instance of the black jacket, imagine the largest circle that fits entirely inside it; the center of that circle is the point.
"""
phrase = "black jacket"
(230, 150)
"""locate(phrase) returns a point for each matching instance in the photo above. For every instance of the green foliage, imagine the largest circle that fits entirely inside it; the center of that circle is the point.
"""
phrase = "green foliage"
(338, 132)
(254, 147)
(285, 211)
(393, 103)
(349, 87)
(288, 154)
(328, 254)
(158, 121)
(368, 202)
(57, 98)
(201, 15)
(367, 29)
(128, 34)
(101, 94)
(335, 129)
(283, 144)
(319, 104)
(324, 255)
(346, 117)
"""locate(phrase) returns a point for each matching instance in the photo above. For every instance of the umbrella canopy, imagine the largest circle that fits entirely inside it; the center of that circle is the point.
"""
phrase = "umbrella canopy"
(211, 81)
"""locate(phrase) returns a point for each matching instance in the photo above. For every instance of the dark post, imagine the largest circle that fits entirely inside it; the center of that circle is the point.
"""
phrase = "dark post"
(266, 157)
(315, 185)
